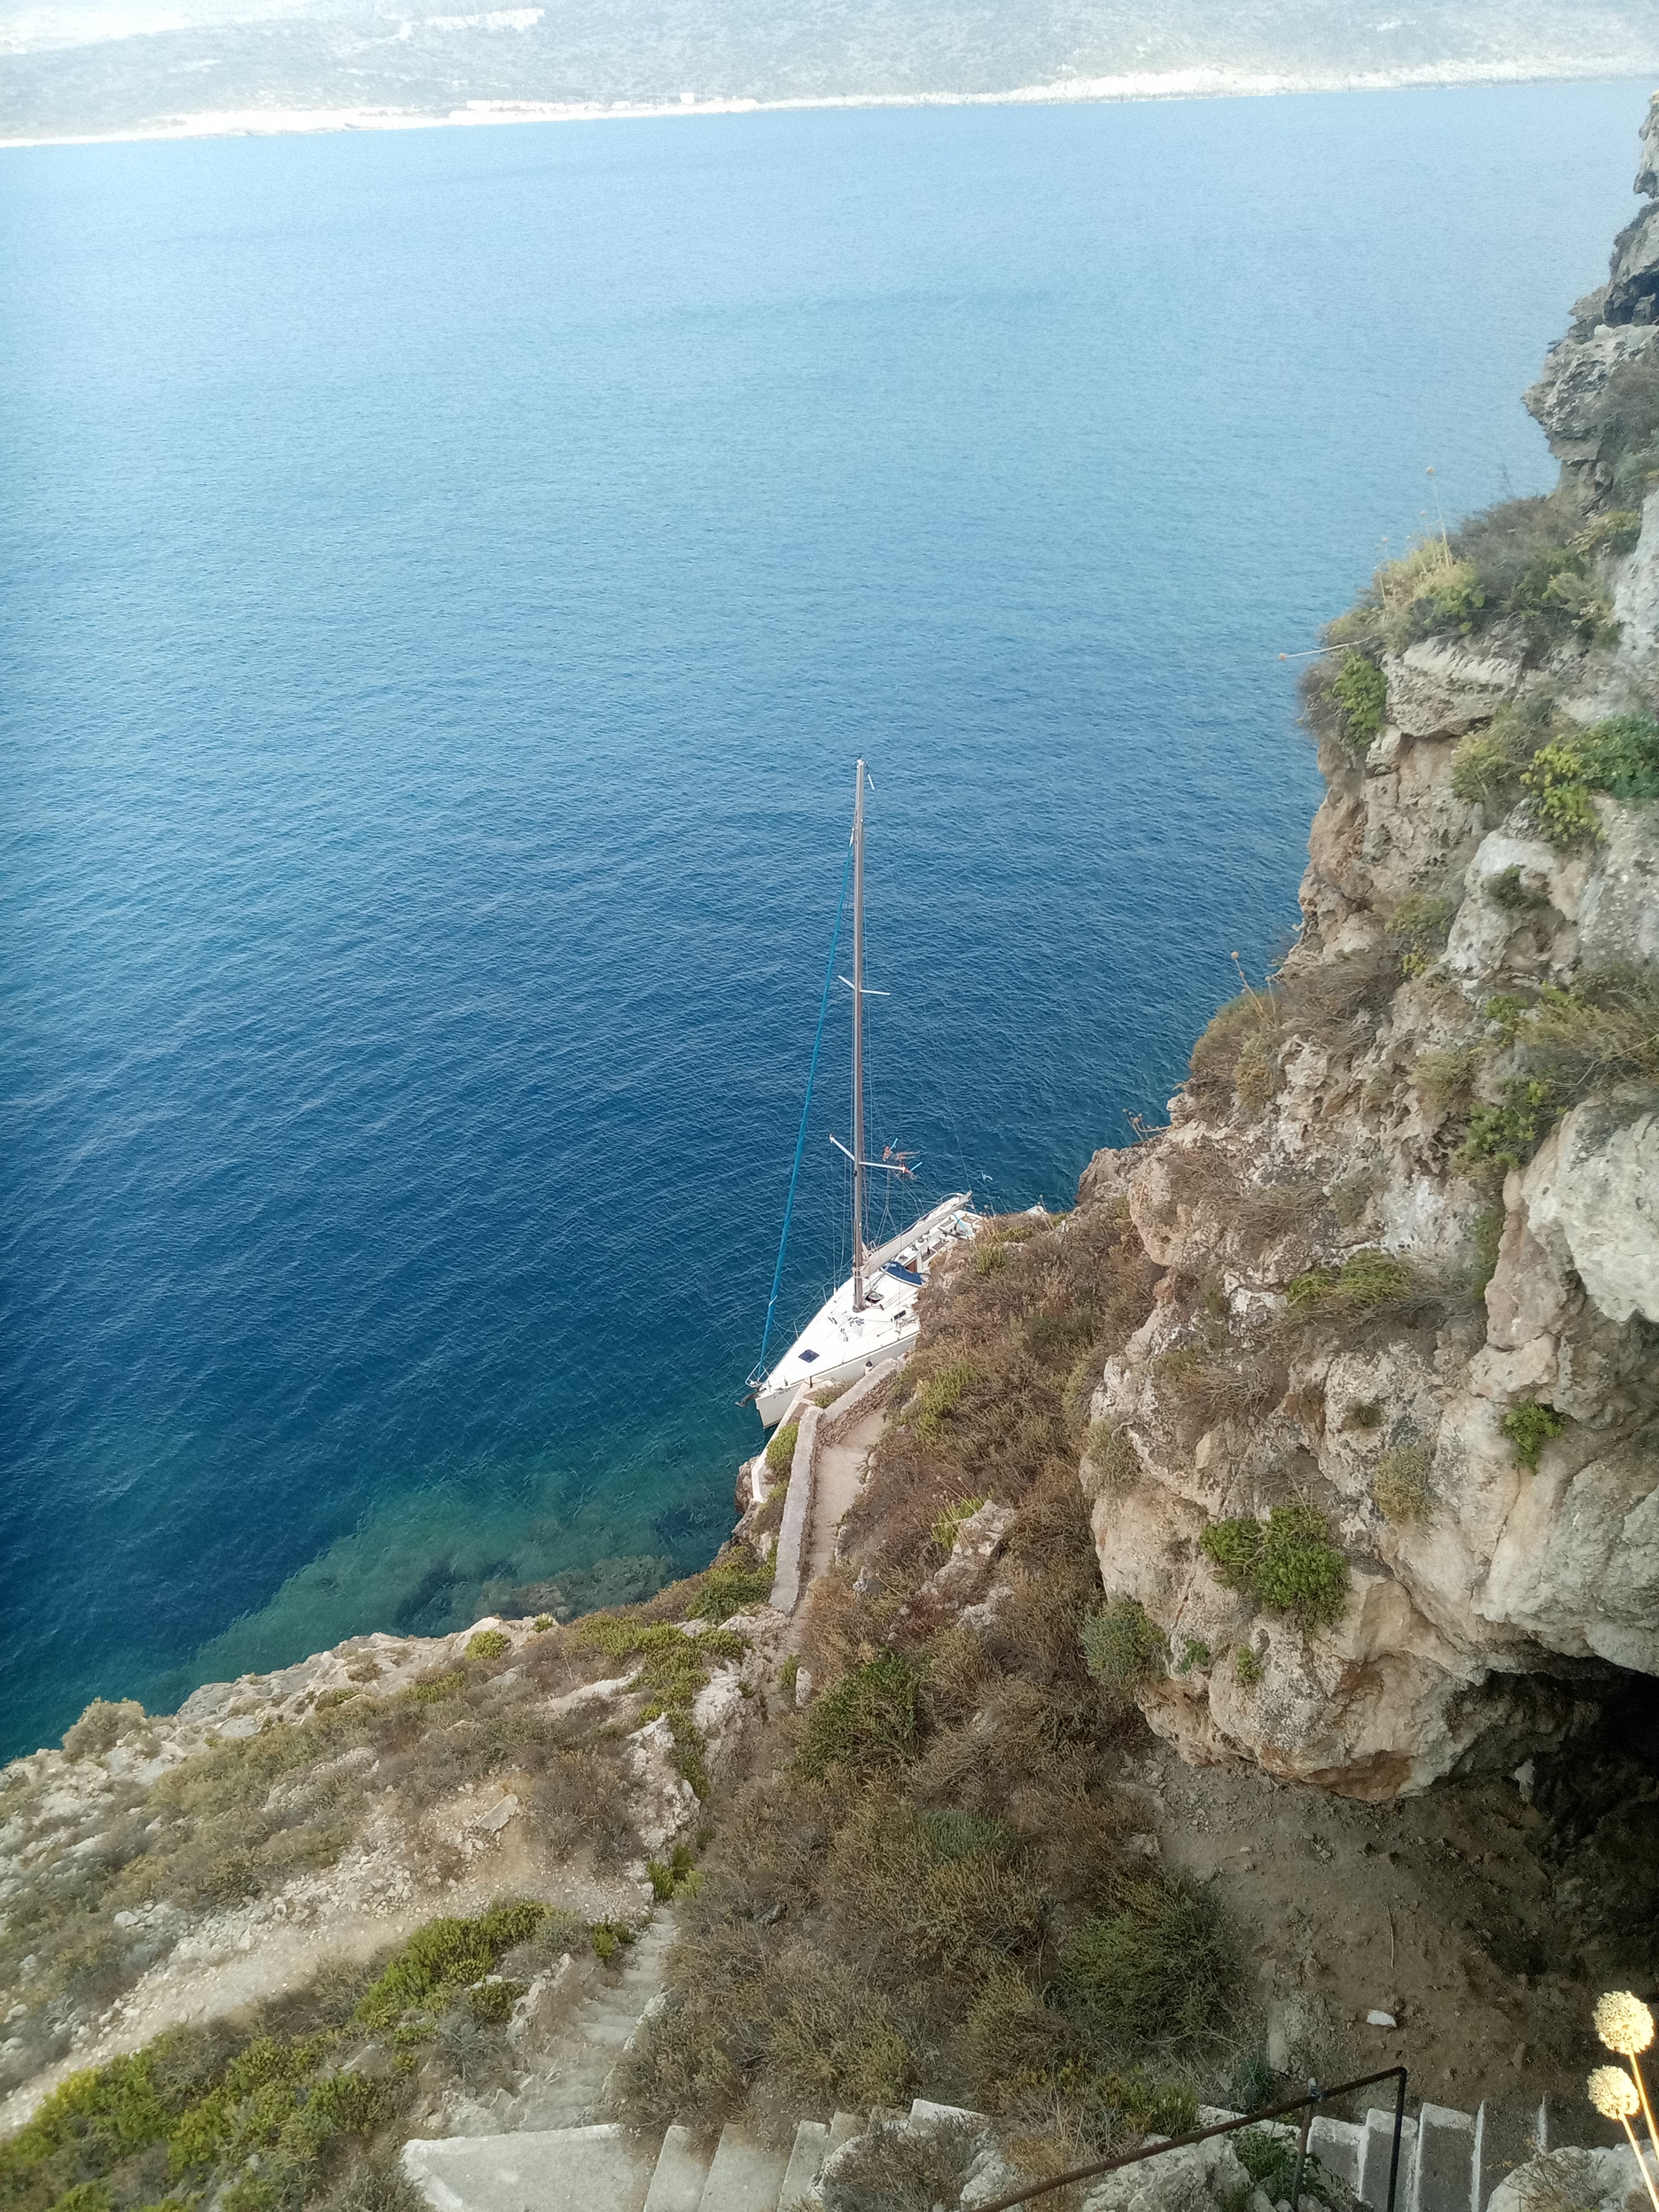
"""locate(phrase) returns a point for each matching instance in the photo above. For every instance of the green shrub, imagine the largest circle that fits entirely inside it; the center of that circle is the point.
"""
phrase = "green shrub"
(1428, 592)
(1155, 1968)
(102, 1726)
(1561, 794)
(1300, 1571)
(1619, 757)
(445, 1957)
(1419, 927)
(1451, 602)
(1530, 559)
(779, 1452)
(1251, 1019)
(1233, 1548)
(1529, 1427)
(87, 2196)
(1286, 1563)
(610, 1937)
(491, 2002)
(1255, 2080)
(1365, 1281)
(1270, 2160)
(937, 1397)
(1447, 1079)
(435, 1688)
(959, 1510)
(1194, 1653)
(669, 1877)
(489, 1643)
(1507, 889)
(543, 1622)
(1511, 1133)
(1247, 1667)
(953, 1834)
(1617, 531)
(1111, 1453)
(1256, 1073)
(1559, 597)
(1122, 1646)
(865, 1721)
(1360, 690)
(1483, 773)
(1401, 1483)
(789, 1674)
(1604, 1029)
(732, 1587)
(1487, 765)
(670, 1668)
(96, 2116)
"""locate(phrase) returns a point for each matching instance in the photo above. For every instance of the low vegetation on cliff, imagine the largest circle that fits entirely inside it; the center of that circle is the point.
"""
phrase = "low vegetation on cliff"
(301, 2101)
(935, 1882)
(140, 1842)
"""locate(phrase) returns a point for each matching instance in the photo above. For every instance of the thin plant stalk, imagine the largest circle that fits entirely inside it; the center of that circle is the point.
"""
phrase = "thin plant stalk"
(1647, 2115)
(1642, 2163)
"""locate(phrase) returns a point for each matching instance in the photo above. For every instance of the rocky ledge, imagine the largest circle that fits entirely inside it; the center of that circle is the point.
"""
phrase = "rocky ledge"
(1381, 1470)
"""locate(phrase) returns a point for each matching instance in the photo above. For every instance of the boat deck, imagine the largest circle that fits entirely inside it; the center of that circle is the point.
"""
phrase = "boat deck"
(837, 1345)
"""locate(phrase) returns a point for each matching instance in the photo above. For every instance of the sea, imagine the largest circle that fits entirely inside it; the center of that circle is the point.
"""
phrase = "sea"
(446, 580)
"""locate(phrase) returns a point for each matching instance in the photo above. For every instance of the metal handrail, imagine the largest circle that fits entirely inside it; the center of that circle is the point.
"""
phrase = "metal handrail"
(1304, 2105)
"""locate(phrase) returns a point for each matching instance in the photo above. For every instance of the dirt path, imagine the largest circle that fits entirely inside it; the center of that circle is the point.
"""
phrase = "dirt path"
(1450, 1911)
(841, 1468)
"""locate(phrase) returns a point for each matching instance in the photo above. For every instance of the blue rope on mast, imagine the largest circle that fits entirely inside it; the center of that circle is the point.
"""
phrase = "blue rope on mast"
(800, 1141)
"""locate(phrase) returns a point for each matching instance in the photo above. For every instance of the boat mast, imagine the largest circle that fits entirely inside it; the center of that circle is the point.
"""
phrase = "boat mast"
(858, 1044)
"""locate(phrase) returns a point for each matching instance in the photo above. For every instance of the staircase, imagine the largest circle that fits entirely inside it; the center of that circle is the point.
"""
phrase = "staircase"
(593, 2037)
(542, 2148)
(1446, 2164)
(602, 2168)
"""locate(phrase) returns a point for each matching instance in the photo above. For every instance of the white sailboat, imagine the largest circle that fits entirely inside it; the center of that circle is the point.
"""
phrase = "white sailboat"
(873, 1314)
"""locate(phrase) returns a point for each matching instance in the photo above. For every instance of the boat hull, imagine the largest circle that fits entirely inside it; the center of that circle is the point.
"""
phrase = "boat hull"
(838, 1345)
(773, 1404)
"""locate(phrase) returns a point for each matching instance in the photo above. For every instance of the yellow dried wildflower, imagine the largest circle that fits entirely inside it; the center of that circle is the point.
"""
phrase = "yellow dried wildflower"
(1613, 2093)
(1623, 2022)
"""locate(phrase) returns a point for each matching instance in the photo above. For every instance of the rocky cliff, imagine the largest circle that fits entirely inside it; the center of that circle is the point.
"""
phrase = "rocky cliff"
(1382, 1468)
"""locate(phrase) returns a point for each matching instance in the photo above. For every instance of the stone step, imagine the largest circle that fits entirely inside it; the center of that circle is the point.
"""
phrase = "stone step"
(746, 2173)
(800, 2176)
(567, 2169)
(1506, 2136)
(1338, 2144)
(682, 2170)
(1375, 2159)
(1443, 2176)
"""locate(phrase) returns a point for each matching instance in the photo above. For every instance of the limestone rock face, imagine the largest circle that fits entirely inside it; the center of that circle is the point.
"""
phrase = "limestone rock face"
(1599, 2180)
(1617, 325)
(1446, 1357)
(1592, 1204)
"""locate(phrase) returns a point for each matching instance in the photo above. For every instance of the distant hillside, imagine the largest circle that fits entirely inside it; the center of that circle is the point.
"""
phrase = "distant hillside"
(99, 66)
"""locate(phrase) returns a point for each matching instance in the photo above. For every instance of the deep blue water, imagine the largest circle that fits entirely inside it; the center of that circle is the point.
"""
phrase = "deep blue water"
(447, 578)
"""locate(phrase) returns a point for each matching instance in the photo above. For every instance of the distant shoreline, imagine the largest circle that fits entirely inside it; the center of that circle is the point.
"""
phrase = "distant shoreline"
(1183, 84)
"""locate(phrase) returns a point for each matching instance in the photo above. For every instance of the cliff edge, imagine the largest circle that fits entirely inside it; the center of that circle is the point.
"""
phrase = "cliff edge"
(1381, 1470)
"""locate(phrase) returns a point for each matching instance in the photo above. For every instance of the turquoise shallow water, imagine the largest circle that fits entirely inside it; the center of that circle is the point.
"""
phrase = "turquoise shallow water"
(446, 579)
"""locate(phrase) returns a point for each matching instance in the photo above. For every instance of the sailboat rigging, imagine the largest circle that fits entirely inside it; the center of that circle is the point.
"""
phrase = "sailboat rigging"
(872, 1315)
